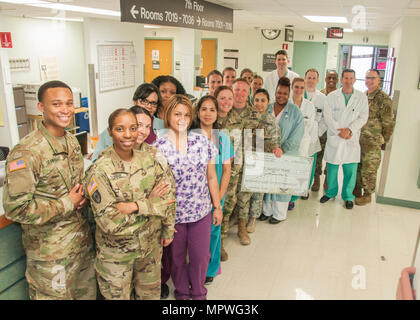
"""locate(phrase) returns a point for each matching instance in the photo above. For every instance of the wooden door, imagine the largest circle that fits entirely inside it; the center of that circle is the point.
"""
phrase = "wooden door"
(208, 56)
(157, 58)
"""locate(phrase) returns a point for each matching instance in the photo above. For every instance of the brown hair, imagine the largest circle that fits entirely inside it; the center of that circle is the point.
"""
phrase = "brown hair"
(245, 71)
(115, 114)
(220, 89)
(312, 70)
(212, 73)
(257, 77)
(173, 102)
(297, 79)
(228, 69)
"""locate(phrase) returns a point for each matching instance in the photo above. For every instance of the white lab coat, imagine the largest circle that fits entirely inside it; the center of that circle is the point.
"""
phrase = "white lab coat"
(272, 79)
(310, 141)
(318, 99)
(337, 115)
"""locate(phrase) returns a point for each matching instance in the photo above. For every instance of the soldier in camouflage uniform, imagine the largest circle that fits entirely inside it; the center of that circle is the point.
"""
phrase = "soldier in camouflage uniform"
(43, 193)
(374, 134)
(261, 101)
(331, 80)
(231, 125)
(250, 120)
(131, 202)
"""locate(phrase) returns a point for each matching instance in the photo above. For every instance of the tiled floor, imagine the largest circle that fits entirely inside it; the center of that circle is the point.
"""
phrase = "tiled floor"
(322, 251)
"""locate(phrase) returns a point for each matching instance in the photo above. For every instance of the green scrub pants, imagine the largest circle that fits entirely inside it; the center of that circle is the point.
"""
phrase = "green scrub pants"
(349, 181)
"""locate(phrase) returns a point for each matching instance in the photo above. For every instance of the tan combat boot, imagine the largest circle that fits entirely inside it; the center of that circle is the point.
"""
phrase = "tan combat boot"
(250, 227)
(223, 254)
(365, 199)
(316, 184)
(244, 239)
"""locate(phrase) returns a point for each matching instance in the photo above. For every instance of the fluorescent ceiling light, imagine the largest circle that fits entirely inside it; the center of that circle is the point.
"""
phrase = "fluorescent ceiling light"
(344, 30)
(64, 7)
(327, 19)
(61, 19)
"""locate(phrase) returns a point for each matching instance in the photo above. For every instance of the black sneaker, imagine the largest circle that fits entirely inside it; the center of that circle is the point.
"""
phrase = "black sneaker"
(164, 291)
(349, 204)
(209, 280)
(324, 199)
(274, 221)
(304, 198)
(262, 217)
(291, 206)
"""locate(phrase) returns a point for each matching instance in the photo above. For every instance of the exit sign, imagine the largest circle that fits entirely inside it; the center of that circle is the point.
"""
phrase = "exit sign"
(335, 33)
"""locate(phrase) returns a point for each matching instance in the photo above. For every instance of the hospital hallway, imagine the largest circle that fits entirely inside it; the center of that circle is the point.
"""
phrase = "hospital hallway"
(318, 252)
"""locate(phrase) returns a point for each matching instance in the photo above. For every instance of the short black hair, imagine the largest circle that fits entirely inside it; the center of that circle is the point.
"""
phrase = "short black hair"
(146, 89)
(49, 85)
(214, 72)
(163, 79)
(281, 52)
(116, 113)
(284, 82)
(196, 121)
(263, 91)
(349, 71)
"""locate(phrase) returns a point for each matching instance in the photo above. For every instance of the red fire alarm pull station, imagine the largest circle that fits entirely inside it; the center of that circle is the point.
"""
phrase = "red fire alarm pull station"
(6, 39)
(285, 46)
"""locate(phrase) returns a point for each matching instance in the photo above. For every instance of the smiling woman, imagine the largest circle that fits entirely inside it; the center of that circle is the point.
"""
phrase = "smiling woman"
(131, 197)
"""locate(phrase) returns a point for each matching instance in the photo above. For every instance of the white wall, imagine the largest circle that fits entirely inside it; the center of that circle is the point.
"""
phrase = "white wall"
(252, 45)
(99, 31)
(35, 38)
(404, 163)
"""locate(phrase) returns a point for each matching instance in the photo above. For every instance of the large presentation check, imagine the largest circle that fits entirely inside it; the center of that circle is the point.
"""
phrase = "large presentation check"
(264, 173)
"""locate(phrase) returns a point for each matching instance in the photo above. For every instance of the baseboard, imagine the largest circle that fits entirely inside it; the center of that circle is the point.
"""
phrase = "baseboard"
(398, 202)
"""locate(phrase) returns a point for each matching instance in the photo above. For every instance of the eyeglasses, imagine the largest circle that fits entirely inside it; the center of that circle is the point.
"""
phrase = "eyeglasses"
(150, 103)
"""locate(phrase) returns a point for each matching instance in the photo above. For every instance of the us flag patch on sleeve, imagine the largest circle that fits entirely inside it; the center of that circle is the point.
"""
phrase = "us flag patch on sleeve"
(92, 186)
(17, 165)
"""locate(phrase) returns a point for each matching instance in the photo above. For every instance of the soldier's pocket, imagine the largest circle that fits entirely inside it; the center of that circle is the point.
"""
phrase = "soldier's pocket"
(18, 182)
(150, 234)
(51, 182)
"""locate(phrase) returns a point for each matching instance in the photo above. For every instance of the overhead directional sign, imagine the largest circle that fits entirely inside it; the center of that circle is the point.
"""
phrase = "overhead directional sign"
(195, 14)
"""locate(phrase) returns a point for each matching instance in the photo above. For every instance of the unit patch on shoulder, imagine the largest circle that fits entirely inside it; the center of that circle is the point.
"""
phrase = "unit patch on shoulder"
(17, 165)
(96, 196)
(92, 186)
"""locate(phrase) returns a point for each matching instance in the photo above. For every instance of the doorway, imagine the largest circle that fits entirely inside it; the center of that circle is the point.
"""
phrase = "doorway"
(157, 58)
(308, 55)
(361, 58)
(208, 56)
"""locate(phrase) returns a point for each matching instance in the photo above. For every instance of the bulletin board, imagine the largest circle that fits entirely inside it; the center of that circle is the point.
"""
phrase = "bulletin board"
(116, 66)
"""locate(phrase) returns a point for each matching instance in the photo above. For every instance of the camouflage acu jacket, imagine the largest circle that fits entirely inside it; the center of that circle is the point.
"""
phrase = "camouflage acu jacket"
(108, 182)
(380, 125)
(40, 173)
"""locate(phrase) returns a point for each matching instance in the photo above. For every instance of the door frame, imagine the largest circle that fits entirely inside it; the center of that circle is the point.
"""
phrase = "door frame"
(340, 49)
(173, 55)
(217, 48)
(326, 56)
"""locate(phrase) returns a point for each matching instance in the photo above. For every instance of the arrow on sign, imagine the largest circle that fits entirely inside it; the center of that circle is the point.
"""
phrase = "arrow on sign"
(198, 21)
(133, 12)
